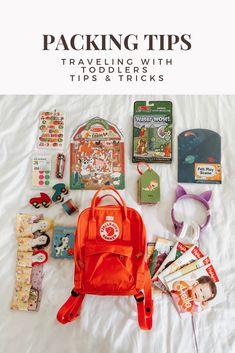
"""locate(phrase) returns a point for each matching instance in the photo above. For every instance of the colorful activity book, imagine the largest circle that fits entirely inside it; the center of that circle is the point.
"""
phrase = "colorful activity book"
(196, 290)
(161, 250)
(150, 251)
(205, 260)
(177, 251)
(192, 254)
(152, 132)
(97, 156)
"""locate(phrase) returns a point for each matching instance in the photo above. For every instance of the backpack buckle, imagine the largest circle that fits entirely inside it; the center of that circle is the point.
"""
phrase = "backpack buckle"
(139, 297)
(74, 294)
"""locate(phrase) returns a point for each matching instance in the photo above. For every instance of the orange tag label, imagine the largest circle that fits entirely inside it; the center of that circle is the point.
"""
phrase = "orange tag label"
(204, 171)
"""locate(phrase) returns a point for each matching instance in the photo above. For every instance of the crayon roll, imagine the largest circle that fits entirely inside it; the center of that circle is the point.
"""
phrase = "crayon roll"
(70, 207)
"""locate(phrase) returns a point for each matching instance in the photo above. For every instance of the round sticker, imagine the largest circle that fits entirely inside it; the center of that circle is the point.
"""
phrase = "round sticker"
(109, 231)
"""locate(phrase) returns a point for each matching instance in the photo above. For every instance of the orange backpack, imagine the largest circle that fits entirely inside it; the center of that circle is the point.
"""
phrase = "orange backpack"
(109, 253)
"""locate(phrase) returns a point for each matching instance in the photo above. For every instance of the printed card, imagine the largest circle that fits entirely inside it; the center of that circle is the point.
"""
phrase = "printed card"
(63, 243)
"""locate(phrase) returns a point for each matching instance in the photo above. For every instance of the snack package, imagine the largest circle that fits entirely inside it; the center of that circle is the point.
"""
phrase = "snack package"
(205, 260)
(152, 132)
(51, 130)
(28, 225)
(189, 256)
(177, 250)
(31, 241)
(162, 249)
(197, 290)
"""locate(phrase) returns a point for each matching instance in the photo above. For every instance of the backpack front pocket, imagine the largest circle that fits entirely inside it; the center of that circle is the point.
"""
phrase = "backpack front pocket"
(108, 269)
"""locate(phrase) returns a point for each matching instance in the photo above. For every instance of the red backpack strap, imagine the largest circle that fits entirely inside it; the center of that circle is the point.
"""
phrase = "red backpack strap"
(71, 308)
(145, 303)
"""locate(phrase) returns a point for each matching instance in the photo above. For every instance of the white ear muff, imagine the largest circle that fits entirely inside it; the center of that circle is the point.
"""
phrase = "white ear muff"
(190, 232)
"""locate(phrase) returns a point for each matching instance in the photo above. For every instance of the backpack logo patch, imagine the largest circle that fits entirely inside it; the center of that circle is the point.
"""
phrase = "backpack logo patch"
(109, 231)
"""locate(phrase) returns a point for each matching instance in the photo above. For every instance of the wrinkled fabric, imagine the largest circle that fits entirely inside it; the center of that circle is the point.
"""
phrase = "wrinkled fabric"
(109, 324)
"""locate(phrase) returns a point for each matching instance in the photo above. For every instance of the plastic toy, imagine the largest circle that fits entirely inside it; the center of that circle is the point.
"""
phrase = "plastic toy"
(60, 164)
(43, 200)
(199, 157)
(59, 190)
(193, 229)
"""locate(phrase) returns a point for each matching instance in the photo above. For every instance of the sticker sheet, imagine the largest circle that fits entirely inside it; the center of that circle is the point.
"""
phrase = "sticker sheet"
(97, 156)
(41, 171)
(51, 130)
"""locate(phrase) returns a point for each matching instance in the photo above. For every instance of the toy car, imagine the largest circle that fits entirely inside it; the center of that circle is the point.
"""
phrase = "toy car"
(43, 200)
(59, 189)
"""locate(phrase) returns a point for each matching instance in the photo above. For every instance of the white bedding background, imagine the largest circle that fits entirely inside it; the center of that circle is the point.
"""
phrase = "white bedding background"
(109, 324)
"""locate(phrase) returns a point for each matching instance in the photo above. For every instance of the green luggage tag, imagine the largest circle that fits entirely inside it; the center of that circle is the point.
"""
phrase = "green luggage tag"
(149, 185)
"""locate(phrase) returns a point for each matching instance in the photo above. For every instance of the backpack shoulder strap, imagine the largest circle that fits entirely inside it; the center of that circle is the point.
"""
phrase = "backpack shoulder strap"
(145, 303)
(71, 308)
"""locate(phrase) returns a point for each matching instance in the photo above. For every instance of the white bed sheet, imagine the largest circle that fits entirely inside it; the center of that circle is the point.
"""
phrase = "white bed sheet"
(109, 324)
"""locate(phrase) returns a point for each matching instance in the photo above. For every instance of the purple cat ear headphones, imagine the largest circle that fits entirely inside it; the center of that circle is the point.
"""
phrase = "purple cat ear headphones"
(181, 227)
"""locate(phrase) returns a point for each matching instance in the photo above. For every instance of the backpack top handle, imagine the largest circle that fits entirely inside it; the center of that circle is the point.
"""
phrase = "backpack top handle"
(95, 201)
